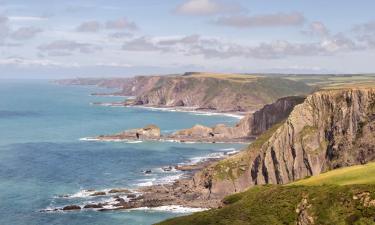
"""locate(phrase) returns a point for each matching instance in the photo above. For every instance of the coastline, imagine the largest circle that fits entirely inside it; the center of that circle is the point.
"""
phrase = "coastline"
(169, 196)
(194, 110)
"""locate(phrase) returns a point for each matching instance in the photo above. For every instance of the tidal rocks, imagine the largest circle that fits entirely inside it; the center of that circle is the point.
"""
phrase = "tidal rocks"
(98, 193)
(167, 168)
(147, 171)
(93, 206)
(115, 191)
(71, 207)
(150, 132)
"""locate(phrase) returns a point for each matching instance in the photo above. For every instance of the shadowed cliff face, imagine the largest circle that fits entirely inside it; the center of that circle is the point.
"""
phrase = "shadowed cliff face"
(330, 129)
(271, 114)
(253, 124)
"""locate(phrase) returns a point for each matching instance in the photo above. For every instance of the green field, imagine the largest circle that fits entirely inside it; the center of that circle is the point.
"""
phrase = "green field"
(332, 198)
(334, 80)
(363, 174)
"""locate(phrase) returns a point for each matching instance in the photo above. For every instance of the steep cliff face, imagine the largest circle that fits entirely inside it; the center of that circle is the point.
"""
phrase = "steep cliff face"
(250, 126)
(260, 121)
(205, 91)
(330, 129)
(218, 93)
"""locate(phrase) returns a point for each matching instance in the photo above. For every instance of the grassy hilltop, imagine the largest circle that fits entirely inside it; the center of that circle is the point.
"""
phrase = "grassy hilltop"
(327, 198)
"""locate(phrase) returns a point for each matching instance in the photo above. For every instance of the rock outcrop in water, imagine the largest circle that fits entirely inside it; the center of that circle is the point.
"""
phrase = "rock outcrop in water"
(150, 132)
(250, 126)
(330, 129)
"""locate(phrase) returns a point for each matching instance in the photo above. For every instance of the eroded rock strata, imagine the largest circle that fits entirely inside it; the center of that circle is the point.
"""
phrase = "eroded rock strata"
(330, 129)
(202, 91)
(250, 126)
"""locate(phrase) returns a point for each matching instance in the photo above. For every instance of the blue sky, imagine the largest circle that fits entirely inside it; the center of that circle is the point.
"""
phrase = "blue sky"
(54, 39)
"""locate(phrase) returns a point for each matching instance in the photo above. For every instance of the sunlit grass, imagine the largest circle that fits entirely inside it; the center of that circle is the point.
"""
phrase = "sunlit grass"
(363, 174)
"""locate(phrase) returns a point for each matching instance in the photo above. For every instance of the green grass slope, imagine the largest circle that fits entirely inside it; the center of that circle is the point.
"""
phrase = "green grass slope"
(362, 174)
(333, 198)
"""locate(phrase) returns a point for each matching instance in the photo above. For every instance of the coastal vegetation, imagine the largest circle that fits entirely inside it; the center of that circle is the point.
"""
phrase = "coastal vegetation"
(343, 196)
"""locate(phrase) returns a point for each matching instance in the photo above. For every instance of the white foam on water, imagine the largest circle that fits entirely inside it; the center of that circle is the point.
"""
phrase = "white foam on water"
(190, 110)
(146, 182)
(173, 209)
(232, 152)
(88, 139)
(82, 194)
(110, 140)
(168, 179)
(226, 149)
(134, 142)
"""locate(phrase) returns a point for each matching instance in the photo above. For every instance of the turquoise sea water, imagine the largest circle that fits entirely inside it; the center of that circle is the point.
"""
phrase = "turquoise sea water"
(41, 156)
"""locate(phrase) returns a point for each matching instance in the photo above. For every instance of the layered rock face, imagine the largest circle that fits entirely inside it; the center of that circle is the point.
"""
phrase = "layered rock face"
(225, 95)
(250, 126)
(213, 92)
(331, 129)
(271, 114)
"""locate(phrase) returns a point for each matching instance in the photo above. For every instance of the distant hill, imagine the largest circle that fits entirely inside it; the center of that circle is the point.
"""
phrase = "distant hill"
(206, 91)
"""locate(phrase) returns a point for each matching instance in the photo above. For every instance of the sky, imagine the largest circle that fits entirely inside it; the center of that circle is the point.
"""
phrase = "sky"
(111, 38)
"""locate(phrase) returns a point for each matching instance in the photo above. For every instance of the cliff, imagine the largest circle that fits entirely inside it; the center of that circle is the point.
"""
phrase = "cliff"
(220, 93)
(330, 129)
(253, 124)
(202, 91)
(245, 130)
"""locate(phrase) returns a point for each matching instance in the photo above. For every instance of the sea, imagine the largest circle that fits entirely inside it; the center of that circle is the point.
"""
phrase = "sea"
(44, 153)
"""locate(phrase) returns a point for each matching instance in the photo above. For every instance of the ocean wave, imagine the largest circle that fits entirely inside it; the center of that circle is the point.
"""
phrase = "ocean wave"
(172, 209)
(89, 139)
(226, 149)
(146, 182)
(190, 110)
(109, 140)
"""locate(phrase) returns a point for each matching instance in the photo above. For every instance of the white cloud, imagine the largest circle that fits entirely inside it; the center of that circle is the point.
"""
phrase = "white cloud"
(368, 27)
(318, 29)
(120, 65)
(121, 24)
(216, 48)
(266, 20)
(27, 18)
(24, 33)
(65, 47)
(4, 27)
(207, 7)
(89, 26)
(19, 61)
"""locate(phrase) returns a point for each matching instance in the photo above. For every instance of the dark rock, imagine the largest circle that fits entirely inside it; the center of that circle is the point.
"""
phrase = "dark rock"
(113, 191)
(98, 193)
(72, 207)
(167, 169)
(93, 206)
(131, 196)
(147, 171)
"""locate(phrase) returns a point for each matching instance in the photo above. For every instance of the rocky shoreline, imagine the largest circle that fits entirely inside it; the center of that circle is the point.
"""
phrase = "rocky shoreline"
(179, 193)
